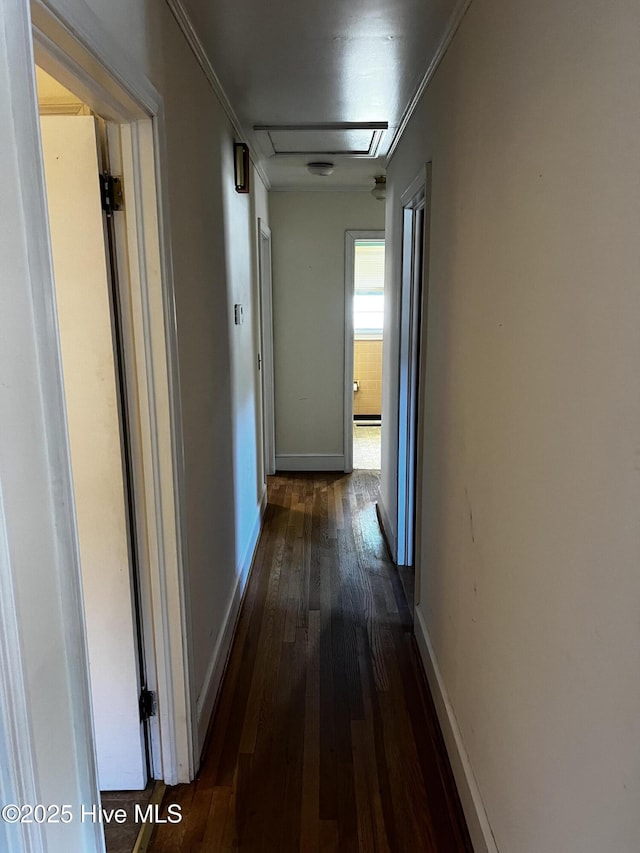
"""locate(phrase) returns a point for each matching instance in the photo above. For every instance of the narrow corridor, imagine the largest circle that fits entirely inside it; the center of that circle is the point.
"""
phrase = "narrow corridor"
(325, 736)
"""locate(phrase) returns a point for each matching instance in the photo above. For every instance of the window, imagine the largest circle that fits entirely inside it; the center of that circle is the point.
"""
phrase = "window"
(368, 313)
(368, 301)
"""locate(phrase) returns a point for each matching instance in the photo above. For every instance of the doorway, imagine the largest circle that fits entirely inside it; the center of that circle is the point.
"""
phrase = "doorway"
(36, 463)
(364, 324)
(90, 326)
(412, 363)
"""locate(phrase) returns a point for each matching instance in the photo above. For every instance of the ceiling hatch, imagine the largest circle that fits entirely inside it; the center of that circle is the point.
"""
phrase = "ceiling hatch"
(346, 139)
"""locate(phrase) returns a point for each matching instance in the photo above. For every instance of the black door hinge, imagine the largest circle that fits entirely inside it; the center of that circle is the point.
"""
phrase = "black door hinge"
(111, 193)
(147, 704)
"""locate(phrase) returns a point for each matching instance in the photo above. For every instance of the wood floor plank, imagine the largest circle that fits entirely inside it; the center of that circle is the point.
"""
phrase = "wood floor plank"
(331, 507)
(329, 839)
(227, 747)
(230, 837)
(296, 589)
(310, 809)
(217, 819)
(325, 736)
(318, 546)
(377, 738)
(328, 758)
(304, 608)
(270, 760)
(267, 647)
(291, 803)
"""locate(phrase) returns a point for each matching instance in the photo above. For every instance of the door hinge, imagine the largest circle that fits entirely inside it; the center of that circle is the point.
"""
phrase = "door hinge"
(147, 704)
(111, 193)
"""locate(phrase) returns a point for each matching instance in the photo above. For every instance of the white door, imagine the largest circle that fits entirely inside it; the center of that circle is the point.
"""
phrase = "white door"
(85, 325)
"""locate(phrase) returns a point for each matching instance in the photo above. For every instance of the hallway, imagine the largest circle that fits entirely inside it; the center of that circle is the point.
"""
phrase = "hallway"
(324, 737)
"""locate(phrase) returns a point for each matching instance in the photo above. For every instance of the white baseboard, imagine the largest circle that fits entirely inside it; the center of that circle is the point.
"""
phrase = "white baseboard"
(472, 805)
(215, 670)
(387, 529)
(309, 462)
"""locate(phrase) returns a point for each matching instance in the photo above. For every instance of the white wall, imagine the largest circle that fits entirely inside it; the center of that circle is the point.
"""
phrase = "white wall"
(308, 236)
(213, 244)
(531, 542)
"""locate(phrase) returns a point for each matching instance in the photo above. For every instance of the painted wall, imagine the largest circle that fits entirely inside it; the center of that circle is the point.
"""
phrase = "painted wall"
(213, 243)
(529, 564)
(308, 235)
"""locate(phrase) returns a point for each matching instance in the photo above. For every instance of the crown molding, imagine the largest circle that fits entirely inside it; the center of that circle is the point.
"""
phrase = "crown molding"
(452, 27)
(193, 40)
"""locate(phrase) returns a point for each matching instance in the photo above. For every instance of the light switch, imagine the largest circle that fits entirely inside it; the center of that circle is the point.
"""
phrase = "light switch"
(238, 311)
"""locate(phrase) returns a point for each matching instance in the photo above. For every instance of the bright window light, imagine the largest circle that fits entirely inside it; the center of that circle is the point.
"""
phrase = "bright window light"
(368, 313)
(368, 302)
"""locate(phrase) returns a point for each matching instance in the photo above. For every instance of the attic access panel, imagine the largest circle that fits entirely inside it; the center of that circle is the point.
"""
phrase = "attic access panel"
(348, 140)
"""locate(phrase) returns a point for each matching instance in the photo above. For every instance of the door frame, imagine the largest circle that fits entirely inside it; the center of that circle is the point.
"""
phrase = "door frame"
(350, 240)
(266, 350)
(74, 48)
(412, 350)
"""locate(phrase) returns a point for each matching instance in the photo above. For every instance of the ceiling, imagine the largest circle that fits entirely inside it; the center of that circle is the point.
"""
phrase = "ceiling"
(320, 79)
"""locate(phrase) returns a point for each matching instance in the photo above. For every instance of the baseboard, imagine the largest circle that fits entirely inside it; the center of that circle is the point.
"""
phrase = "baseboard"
(309, 462)
(470, 798)
(387, 530)
(218, 662)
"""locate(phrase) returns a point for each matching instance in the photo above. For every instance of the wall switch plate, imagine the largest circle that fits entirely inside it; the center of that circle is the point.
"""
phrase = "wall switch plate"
(238, 312)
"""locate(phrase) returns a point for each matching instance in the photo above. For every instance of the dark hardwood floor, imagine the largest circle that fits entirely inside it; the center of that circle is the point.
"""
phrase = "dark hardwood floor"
(325, 737)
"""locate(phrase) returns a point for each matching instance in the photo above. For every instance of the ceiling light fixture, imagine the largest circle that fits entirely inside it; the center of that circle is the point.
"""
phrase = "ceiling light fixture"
(379, 192)
(322, 169)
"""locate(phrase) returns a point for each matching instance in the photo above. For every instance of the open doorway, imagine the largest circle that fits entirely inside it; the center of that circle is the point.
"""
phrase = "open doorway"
(134, 123)
(363, 344)
(107, 437)
(90, 328)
